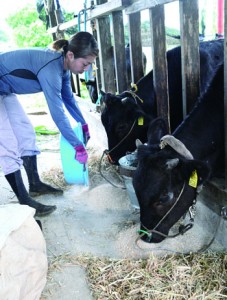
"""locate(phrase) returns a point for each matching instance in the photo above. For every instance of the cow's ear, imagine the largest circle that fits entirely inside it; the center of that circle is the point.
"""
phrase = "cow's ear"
(202, 170)
(107, 98)
(157, 129)
(103, 96)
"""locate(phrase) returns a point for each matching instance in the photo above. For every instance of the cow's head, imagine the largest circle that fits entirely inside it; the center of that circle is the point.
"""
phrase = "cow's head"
(124, 121)
(165, 183)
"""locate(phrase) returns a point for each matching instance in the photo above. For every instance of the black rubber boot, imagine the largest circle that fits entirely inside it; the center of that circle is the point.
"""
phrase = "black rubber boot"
(36, 186)
(16, 182)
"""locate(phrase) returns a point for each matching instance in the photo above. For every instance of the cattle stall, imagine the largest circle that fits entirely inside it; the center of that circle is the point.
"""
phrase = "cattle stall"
(107, 22)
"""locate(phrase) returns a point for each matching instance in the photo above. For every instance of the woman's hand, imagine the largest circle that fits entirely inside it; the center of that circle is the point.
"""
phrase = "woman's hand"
(81, 154)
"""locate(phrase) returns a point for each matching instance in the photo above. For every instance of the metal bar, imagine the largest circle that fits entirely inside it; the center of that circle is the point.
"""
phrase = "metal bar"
(225, 88)
(139, 5)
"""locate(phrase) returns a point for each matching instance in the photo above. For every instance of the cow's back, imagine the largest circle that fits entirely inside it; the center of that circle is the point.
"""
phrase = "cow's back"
(211, 54)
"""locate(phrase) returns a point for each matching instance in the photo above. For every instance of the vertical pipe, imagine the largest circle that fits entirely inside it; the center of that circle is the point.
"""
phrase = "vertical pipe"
(225, 88)
(220, 16)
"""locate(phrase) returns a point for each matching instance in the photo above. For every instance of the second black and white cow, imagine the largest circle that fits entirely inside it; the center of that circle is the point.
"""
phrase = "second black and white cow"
(126, 116)
(170, 168)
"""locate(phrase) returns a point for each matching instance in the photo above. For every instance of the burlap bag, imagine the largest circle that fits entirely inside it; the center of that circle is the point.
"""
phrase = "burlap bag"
(23, 260)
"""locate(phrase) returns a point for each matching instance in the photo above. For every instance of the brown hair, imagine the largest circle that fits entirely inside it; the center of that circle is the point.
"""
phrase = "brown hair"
(81, 44)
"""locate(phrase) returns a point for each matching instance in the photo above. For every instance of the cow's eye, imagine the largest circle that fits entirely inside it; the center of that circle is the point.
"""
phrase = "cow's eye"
(121, 129)
(166, 197)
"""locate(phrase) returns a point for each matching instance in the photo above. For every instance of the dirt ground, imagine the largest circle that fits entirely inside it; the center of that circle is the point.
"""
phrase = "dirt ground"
(96, 220)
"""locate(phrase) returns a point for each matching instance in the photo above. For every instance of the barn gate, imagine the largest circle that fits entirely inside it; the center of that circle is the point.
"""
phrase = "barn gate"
(106, 19)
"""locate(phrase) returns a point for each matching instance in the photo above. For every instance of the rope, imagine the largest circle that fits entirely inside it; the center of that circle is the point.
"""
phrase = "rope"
(121, 141)
(100, 171)
(168, 212)
(202, 249)
(150, 231)
(135, 96)
(107, 152)
(206, 246)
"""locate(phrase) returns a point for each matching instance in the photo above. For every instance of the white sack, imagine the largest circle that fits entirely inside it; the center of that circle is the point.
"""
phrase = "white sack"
(23, 259)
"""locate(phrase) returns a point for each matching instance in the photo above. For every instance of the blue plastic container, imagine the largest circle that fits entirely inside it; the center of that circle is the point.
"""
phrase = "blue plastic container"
(74, 172)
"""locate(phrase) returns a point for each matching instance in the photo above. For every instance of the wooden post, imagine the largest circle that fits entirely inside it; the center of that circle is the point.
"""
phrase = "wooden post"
(50, 11)
(56, 19)
(135, 43)
(105, 53)
(59, 20)
(189, 20)
(160, 62)
(119, 51)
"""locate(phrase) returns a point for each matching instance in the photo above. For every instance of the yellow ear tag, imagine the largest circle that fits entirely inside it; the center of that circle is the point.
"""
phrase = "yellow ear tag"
(140, 121)
(193, 180)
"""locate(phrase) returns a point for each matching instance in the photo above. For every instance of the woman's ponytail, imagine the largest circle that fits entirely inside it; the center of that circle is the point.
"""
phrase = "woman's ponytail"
(61, 44)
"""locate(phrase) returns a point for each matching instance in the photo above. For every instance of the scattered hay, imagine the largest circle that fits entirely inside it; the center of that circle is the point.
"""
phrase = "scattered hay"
(110, 172)
(55, 176)
(183, 277)
(193, 276)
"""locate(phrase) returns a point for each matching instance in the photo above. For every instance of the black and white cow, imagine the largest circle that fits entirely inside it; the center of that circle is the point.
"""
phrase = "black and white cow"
(171, 167)
(122, 119)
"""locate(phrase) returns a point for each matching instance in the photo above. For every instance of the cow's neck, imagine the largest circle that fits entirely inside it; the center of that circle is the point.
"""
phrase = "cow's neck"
(202, 131)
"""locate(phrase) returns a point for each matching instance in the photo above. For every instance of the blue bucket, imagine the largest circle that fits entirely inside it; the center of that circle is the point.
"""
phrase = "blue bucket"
(74, 172)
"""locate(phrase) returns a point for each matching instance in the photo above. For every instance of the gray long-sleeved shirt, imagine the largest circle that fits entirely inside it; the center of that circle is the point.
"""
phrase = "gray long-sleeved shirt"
(27, 71)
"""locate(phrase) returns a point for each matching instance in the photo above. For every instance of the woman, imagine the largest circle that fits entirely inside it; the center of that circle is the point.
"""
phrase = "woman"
(27, 71)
